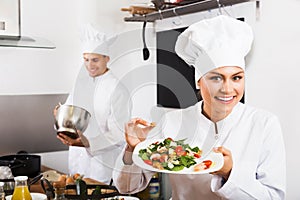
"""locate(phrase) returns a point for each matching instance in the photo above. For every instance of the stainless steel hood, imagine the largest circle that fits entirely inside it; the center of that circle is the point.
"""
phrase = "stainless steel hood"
(29, 42)
(10, 28)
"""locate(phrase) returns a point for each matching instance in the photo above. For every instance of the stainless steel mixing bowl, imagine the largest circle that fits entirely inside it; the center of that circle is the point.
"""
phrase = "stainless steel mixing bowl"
(71, 118)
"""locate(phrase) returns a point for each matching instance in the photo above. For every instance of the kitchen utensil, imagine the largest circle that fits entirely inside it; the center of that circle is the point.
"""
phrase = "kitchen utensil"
(146, 52)
(22, 164)
(48, 188)
(35, 179)
(51, 175)
(71, 118)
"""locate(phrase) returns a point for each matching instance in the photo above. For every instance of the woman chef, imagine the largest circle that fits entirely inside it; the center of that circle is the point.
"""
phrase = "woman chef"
(249, 139)
(97, 90)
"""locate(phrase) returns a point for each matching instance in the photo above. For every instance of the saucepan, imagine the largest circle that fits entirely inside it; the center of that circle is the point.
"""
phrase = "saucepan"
(19, 165)
(70, 118)
(22, 164)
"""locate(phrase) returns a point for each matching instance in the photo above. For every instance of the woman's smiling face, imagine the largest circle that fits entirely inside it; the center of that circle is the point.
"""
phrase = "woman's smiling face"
(221, 89)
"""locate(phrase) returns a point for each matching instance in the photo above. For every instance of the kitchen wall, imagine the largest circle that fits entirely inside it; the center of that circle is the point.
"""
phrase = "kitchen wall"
(272, 74)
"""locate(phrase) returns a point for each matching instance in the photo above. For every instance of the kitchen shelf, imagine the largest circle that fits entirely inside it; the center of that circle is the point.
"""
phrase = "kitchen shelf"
(183, 10)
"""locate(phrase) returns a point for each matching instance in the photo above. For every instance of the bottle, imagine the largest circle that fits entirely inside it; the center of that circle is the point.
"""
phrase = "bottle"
(2, 193)
(21, 191)
(154, 187)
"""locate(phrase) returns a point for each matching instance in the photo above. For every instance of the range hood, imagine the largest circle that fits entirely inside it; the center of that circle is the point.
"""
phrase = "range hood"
(10, 28)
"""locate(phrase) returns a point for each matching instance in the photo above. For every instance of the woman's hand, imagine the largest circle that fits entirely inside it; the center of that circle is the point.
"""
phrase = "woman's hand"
(136, 131)
(226, 169)
(69, 141)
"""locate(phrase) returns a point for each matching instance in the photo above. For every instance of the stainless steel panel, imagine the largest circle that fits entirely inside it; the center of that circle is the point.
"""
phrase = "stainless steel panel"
(26, 123)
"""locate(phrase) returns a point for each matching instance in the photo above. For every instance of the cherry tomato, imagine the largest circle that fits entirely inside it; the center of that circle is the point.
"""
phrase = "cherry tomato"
(197, 155)
(181, 153)
(149, 162)
(207, 163)
(178, 149)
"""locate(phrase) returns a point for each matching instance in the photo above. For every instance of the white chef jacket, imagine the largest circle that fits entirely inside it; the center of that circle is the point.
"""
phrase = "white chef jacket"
(254, 138)
(108, 102)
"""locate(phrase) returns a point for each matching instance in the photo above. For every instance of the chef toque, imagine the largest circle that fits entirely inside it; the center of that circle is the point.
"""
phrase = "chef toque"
(216, 42)
(94, 41)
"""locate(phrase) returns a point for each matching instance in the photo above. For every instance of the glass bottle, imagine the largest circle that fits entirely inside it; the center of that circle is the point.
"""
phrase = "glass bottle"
(21, 191)
(154, 187)
(2, 193)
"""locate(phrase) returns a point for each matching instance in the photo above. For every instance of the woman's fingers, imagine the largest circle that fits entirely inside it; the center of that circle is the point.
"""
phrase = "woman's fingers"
(136, 130)
(226, 169)
(144, 122)
(222, 150)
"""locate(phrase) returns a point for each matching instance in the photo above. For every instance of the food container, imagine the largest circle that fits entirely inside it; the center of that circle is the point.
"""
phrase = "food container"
(69, 119)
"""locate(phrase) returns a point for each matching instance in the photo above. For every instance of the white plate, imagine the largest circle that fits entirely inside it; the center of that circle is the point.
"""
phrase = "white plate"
(35, 196)
(216, 158)
(122, 197)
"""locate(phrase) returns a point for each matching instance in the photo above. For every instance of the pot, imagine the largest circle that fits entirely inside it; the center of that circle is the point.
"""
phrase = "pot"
(22, 164)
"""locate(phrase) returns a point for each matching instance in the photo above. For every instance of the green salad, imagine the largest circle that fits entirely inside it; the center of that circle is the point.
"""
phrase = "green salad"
(170, 155)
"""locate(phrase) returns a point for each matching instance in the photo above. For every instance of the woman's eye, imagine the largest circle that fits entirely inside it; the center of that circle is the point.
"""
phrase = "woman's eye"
(95, 59)
(216, 78)
(236, 78)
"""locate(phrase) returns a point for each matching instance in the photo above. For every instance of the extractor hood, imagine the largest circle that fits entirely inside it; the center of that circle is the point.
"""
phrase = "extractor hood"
(10, 28)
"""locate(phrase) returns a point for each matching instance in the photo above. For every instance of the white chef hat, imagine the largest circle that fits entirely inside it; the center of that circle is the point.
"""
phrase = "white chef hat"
(94, 41)
(217, 42)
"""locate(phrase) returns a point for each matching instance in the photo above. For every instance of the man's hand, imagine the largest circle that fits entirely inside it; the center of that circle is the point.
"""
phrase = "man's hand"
(69, 141)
